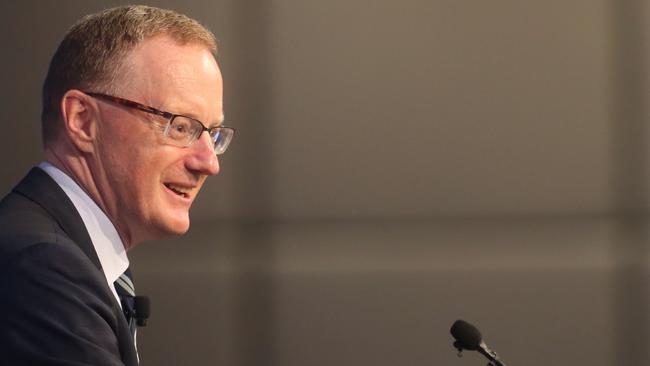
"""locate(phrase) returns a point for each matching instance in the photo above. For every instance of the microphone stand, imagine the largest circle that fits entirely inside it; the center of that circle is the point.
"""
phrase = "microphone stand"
(490, 355)
(485, 351)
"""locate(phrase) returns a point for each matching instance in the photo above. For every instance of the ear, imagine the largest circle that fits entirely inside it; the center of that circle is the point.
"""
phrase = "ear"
(80, 115)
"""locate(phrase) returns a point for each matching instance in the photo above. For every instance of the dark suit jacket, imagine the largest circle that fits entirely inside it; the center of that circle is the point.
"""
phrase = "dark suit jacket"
(55, 305)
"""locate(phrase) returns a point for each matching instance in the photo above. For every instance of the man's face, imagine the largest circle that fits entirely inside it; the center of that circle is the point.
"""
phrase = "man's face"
(146, 184)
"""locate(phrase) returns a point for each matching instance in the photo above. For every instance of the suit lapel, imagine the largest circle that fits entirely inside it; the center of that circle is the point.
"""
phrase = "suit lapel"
(39, 187)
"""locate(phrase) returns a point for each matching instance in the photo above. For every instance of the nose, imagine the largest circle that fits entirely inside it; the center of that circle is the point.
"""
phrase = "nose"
(202, 158)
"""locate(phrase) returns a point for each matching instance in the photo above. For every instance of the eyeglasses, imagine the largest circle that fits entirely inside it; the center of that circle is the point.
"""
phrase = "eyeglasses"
(180, 130)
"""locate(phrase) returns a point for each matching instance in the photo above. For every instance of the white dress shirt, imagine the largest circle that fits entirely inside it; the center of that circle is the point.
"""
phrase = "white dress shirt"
(108, 245)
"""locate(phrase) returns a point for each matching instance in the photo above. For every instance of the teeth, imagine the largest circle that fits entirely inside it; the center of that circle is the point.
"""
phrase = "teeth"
(180, 190)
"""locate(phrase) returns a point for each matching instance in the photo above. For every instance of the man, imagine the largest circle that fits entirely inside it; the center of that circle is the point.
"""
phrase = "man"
(132, 126)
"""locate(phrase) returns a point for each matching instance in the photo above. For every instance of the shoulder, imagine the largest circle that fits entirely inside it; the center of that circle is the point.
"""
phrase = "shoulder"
(57, 270)
(40, 264)
(32, 242)
(24, 223)
(56, 304)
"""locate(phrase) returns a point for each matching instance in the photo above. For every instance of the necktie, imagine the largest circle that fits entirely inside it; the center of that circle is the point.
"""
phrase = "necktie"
(126, 291)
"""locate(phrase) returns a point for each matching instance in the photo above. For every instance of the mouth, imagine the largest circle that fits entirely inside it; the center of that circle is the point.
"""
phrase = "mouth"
(183, 192)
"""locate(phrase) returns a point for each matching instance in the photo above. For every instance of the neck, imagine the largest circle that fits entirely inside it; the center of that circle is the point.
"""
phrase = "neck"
(76, 167)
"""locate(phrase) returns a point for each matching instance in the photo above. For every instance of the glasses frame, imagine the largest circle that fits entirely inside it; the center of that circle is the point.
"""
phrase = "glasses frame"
(170, 118)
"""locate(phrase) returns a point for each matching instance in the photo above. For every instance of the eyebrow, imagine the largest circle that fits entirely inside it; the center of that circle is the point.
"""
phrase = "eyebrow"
(219, 121)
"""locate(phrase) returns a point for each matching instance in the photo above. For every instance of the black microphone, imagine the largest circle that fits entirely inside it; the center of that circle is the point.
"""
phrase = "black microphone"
(142, 309)
(469, 338)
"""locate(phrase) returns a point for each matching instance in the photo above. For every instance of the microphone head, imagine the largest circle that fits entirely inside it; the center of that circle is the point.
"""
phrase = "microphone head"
(142, 307)
(466, 335)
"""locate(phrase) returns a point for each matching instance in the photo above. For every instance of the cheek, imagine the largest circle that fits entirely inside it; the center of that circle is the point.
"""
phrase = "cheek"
(129, 166)
(140, 174)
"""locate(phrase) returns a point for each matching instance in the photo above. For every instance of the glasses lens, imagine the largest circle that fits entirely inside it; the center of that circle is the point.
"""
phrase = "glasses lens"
(221, 138)
(182, 130)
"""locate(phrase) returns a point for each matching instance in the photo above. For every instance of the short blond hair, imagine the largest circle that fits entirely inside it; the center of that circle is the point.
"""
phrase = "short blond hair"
(92, 52)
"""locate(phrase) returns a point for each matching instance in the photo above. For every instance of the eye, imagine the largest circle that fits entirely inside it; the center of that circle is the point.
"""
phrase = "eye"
(181, 128)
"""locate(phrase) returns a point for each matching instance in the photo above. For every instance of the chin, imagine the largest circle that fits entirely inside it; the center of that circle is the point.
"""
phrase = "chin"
(173, 226)
(180, 228)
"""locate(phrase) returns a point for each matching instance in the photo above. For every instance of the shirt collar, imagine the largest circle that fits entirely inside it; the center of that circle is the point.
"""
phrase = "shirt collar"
(108, 245)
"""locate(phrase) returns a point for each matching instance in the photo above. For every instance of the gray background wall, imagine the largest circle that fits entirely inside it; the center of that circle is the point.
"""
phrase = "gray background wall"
(397, 165)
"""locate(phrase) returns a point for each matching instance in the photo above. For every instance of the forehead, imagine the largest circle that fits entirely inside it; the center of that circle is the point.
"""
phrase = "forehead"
(181, 78)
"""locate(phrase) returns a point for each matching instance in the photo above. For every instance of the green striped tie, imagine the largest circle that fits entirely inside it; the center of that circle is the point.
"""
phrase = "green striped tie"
(126, 291)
